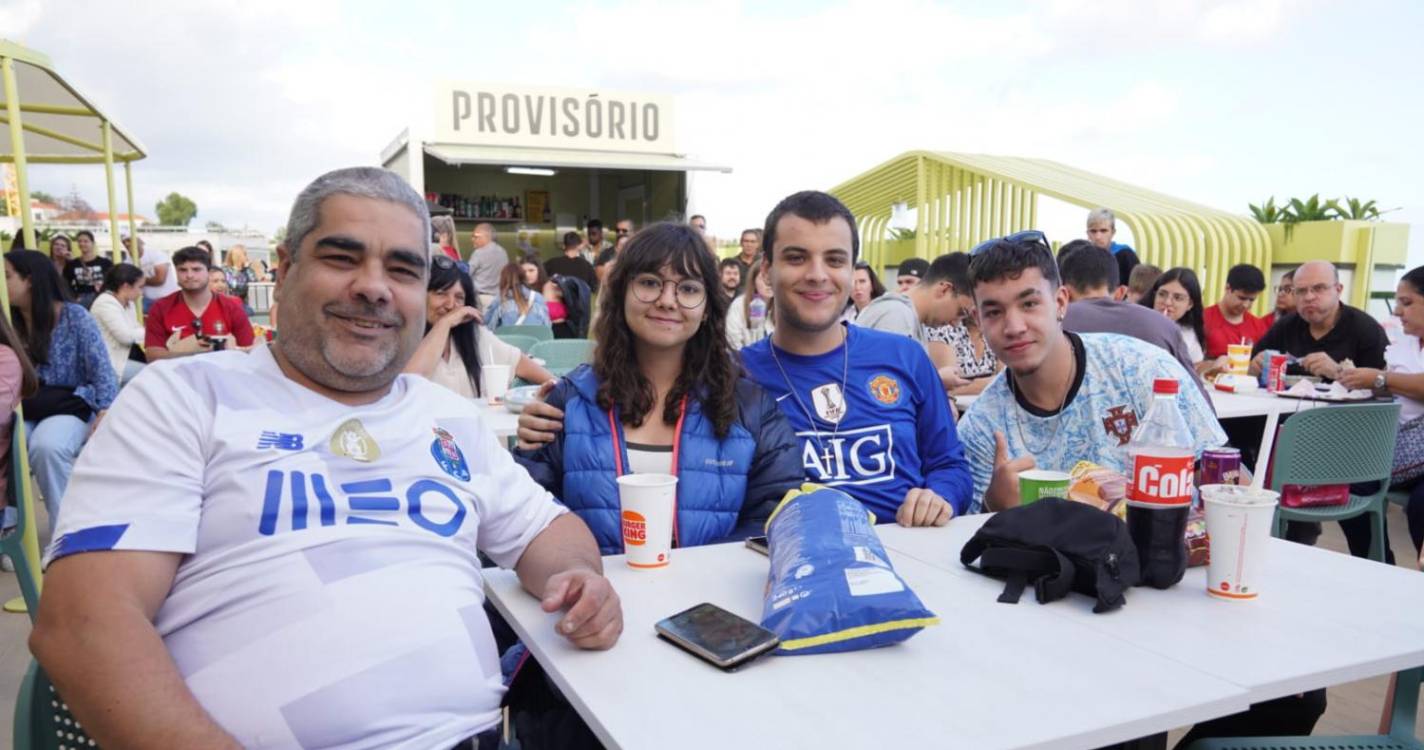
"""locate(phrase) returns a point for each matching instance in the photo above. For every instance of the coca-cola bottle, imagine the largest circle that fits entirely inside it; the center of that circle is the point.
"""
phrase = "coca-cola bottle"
(1161, 460)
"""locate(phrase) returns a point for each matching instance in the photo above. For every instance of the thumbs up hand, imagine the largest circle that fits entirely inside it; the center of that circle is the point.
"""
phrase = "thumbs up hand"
(1003, 491)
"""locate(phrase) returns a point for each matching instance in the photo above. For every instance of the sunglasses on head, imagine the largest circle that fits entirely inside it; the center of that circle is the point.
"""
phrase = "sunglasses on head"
(444, 263)
(1029, 236)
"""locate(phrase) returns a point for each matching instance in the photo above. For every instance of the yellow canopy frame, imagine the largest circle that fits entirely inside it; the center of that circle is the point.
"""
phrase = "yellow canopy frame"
(964, 199)
(50, 122)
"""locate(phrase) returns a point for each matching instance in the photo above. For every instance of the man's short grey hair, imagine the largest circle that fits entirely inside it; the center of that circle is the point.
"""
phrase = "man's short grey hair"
(1102, 214)
(362, 182)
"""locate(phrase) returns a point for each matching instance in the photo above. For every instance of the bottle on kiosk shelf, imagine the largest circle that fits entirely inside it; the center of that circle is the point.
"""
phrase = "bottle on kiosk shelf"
(1161, 458)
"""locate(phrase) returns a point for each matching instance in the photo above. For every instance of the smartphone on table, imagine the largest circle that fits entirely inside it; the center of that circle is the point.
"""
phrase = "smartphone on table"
(716, 636)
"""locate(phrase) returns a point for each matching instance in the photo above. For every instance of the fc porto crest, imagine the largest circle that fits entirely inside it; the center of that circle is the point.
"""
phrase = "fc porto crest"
(885, 389)
(448, 456)
(1120, 422)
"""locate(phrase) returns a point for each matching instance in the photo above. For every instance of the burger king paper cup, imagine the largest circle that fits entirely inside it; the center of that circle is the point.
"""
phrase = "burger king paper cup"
(1238, 525)
(649, 502)
(1238, 358)
(494, 381)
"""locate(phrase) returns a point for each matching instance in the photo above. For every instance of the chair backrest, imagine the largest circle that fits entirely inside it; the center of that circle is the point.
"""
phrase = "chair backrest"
(1337, 445)
(562, 355)
(12, 541)
(538, 333)
(42, 718)
(525, 343)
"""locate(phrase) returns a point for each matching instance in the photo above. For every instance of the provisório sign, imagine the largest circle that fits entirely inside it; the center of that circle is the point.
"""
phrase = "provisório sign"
(478, 114)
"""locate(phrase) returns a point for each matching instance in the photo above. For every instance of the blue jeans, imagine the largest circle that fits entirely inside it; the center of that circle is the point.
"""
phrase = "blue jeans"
(54, 445)
(131, 369)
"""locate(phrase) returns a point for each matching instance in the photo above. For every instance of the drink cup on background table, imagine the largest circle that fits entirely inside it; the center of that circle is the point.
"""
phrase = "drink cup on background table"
(1036, 484)
(1238, 358)
(1238, 527)
(494, 381)
(648, 506)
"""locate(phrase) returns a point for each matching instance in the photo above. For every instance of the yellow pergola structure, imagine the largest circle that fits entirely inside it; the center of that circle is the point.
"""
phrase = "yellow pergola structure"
(50, 122)
(964, 199)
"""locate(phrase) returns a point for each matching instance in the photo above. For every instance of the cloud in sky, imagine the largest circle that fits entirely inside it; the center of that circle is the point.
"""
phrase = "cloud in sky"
(1219, 102)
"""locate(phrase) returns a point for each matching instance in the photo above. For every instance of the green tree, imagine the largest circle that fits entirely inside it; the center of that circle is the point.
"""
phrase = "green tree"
(176, 210)
(43, 197)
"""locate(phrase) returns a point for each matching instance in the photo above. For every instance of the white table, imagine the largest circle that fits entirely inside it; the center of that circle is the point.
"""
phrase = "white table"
(1323, 618)
(989, 676)
(501, 421)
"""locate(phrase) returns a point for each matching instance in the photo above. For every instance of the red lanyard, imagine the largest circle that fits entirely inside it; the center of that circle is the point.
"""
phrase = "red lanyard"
(676, 445)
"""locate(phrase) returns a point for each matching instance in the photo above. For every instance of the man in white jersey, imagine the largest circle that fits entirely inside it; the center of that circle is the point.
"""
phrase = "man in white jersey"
(300, 569)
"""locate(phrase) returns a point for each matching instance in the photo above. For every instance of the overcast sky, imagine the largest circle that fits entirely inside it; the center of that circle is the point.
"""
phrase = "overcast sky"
(240, 104)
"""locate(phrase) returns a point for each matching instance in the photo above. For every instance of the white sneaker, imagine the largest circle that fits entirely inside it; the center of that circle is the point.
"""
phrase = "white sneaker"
(7, 564)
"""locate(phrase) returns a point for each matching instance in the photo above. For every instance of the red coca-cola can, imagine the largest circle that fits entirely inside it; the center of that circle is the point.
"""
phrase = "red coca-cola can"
(1221, 466)
(1276, 372)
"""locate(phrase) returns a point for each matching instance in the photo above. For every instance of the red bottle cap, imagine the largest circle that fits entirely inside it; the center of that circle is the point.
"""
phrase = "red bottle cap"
(1165, 385)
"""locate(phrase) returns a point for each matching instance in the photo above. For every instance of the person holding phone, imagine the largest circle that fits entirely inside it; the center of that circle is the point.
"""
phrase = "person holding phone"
(683, 408)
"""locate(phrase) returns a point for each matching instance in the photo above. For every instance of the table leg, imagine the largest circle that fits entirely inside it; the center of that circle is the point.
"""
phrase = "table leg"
(1263, 456)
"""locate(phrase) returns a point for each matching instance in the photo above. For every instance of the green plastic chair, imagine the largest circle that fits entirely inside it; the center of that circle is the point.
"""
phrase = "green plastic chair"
(539, 333)
(42, 718)
(1400, 737)
(525, 343)
(562, 355)
(1338, 445)
(10, 542)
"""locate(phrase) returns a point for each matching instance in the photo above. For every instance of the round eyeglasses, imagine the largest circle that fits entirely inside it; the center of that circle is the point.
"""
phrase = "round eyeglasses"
(648, 289)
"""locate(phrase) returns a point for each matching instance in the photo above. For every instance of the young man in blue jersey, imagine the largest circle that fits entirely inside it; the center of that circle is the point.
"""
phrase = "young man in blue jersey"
(867, 406)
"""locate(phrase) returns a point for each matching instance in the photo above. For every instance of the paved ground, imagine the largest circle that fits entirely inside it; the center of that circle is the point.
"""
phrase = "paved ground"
(1354, 708)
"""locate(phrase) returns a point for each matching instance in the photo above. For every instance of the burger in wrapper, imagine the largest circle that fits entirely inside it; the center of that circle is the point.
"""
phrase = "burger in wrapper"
(1099, 487)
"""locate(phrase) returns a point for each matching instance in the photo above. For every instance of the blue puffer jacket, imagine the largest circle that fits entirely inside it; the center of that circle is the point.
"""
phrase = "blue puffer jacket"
(726, 488)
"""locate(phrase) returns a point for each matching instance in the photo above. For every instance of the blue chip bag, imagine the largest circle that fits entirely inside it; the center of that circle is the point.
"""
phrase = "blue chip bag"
(832, 587)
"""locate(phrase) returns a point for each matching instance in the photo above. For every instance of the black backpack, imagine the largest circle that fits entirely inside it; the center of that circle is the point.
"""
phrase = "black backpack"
(1056, 545)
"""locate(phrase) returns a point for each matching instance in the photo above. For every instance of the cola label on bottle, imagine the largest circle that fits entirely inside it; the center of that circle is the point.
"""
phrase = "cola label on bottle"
(1161, 480)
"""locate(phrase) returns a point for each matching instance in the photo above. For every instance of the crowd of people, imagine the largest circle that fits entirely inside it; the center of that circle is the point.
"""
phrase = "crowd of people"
(308, 482)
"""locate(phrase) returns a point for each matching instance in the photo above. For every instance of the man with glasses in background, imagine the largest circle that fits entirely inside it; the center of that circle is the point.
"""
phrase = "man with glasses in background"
(1065, 397)
(1285, 299)
(1323, 335)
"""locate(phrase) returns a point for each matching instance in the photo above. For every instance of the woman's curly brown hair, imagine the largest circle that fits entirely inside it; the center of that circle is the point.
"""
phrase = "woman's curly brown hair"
(709, 371)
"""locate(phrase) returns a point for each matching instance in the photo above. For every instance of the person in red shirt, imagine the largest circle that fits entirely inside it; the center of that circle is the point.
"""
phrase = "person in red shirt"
(194, 319)
(1230, 321)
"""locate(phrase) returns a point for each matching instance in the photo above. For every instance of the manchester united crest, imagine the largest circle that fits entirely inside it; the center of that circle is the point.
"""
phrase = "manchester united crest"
(448, 456)
(1120, 422)
(885, 389)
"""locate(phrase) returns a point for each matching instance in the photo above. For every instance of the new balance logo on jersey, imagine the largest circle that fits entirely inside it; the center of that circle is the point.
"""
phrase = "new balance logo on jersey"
(282, 441)
(849, 457)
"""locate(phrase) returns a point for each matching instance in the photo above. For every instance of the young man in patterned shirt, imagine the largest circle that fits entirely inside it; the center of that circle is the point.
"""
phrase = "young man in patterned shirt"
(1065, 397)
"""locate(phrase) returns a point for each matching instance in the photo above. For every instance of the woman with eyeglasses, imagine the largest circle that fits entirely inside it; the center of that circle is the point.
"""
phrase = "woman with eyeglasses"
(749, 319)
(865, 287)
(1177, 294)
(666, 395)
(456, 346)
(516, 304)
